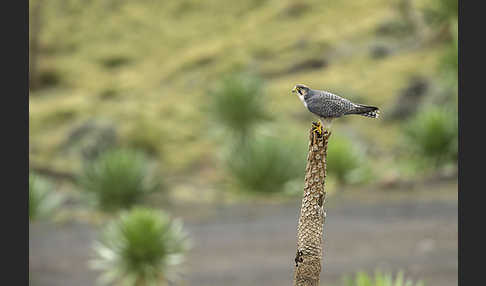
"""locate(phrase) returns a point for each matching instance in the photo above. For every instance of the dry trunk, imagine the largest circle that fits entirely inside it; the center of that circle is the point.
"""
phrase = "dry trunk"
(312, 214)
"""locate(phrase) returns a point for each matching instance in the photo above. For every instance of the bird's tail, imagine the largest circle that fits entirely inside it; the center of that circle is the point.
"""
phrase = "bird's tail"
(366, 110)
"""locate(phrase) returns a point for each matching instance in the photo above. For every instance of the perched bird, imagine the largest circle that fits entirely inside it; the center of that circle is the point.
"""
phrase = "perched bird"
(329, 106)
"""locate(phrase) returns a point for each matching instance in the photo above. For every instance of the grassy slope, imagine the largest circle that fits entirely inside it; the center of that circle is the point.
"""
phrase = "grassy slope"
(174, 51)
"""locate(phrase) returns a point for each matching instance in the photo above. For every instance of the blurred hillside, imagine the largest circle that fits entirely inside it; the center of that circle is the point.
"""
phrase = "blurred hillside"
(138, 73)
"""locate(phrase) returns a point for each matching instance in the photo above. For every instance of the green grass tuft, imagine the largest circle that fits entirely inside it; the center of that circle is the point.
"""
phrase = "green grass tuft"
(119, 178)
(433, 135)
(265, 165)
(238, 103)
(345, 161)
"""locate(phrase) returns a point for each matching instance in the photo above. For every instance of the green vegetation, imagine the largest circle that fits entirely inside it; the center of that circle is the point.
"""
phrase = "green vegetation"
(451, 59)
(238, 103)
(449, 64)
(380, 279)
(42, 202)
(266, 164)
(142, 247)
(433, 134)
(125, 61)
(441, 11)
(146, 135)
(118, 178)
(346, 161)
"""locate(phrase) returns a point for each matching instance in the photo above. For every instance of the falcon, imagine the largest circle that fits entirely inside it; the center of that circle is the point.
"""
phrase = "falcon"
(329, 106)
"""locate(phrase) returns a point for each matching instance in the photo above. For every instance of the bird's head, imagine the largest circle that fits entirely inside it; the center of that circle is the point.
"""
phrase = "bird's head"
(300, 89)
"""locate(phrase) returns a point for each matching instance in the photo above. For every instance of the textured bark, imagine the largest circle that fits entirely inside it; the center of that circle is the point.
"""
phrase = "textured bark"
(312, 214)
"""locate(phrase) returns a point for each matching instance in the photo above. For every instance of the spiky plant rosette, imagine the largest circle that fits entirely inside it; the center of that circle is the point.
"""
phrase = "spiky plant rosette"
(142, 247)
(433, 134)
(346, 160)
(266, 164)
(118, 178)
(238, 103)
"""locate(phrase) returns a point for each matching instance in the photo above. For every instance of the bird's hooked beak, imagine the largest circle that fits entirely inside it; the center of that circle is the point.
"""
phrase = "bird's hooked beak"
(294, 90)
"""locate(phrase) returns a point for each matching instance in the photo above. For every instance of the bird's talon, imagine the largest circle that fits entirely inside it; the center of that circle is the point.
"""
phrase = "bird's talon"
(317, 128)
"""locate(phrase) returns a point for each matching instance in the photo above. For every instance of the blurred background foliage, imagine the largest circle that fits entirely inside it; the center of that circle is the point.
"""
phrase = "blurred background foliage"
(266, 164)
(433, 135)
(156, 102)
(238, 104)
(347, 161)
(161, 88)
(118, 178)
(380, 279)
(164, 85)
(42, 199)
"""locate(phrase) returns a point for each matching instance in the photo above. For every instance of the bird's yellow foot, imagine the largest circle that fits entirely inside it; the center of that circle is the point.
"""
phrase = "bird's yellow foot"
(317, 128)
